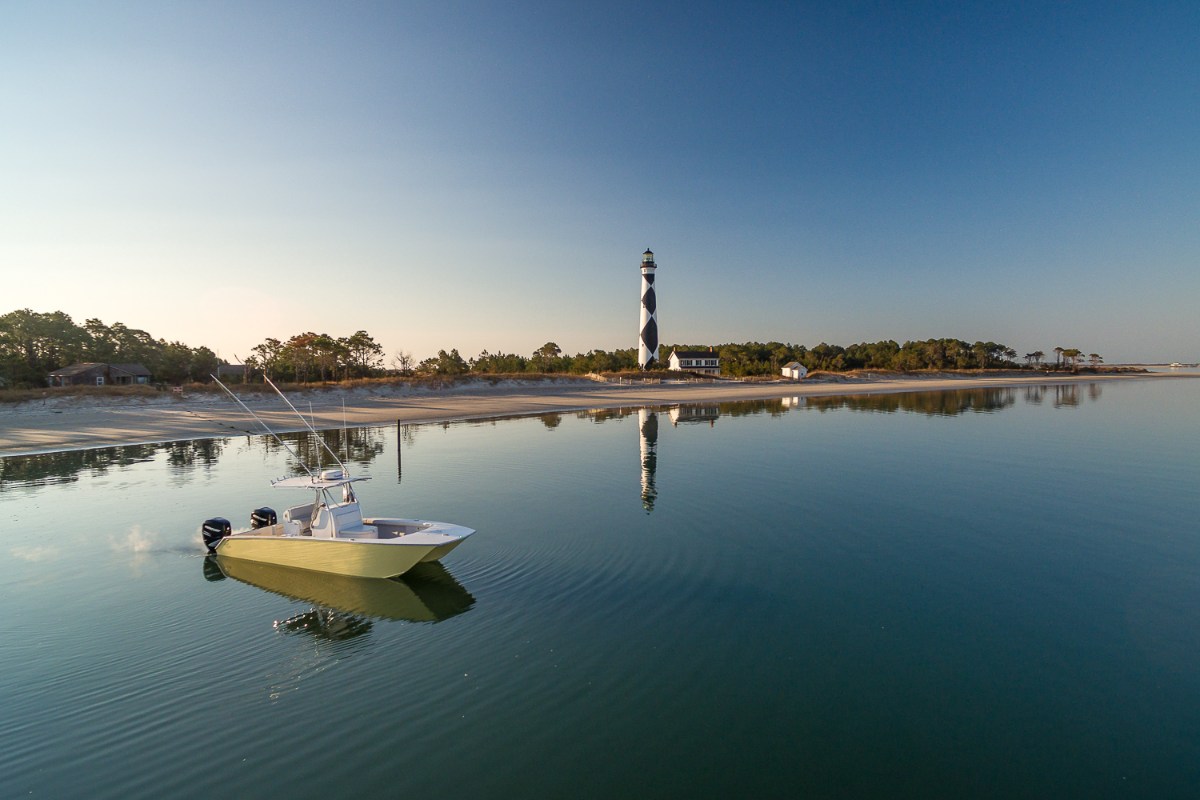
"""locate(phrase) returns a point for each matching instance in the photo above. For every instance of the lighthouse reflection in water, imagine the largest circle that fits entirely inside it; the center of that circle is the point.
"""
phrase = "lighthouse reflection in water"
(648, 431)
(648, 427)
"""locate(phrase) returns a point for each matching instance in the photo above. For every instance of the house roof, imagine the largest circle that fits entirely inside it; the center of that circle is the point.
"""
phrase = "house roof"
(793, 365)
(132, 369)
(76, 369)
(88, 366)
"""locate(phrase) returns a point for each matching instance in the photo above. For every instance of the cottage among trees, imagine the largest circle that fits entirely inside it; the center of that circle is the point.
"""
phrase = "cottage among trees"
(92, 374)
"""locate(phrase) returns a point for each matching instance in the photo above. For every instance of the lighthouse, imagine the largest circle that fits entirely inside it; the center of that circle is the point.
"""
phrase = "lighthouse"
(648, 332)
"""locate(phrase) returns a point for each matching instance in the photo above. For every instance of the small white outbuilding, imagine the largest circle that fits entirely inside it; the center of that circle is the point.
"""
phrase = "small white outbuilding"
(794, 370)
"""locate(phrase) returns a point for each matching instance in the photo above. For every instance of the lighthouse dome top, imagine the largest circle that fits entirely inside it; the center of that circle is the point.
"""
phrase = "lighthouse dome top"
(648, 257)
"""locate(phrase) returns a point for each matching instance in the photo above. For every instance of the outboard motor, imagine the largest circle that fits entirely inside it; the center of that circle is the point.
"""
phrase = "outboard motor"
(262, 517)
(214, 530)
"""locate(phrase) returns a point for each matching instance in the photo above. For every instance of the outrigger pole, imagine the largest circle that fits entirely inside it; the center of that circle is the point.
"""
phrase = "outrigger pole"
(313, 430)
(266, 427)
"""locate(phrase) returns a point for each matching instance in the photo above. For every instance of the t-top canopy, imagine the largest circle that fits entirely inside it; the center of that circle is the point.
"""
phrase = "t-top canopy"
(328, 479)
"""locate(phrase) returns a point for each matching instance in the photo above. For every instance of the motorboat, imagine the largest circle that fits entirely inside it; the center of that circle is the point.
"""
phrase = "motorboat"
(329, 533)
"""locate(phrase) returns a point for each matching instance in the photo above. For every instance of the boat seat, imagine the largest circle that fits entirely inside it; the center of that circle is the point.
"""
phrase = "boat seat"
(361, 532)
(301, 514)
(342, 520)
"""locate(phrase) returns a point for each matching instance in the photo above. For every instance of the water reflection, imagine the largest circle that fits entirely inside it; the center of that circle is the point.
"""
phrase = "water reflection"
(358, 446)
(184, 456)
(426, 593)
(1066, 396)
(1069, 395)
(648, 432)
(406, 436)
(884, 613)
(648, 439)
(691, 414)
(940, 404)
(326, 624)
(362, 446)
(601, 415)
(772, 407)
(345, 610)
(66, 466)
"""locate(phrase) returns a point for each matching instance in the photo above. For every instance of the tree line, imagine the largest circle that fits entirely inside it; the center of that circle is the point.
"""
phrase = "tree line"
(34, 344)
(308, 357)
(752, 359)
(318, 357)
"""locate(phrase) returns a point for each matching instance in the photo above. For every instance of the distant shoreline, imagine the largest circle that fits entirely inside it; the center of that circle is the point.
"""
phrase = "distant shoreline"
(77, 423)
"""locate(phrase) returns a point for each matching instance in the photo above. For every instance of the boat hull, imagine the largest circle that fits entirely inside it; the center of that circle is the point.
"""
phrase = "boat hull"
(358, 558)
(441, 550)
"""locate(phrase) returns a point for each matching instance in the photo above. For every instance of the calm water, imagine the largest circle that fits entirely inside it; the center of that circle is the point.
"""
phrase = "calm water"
(971, 594)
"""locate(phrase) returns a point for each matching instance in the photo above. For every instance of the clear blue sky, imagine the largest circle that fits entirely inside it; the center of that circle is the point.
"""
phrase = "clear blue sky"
(486, 175)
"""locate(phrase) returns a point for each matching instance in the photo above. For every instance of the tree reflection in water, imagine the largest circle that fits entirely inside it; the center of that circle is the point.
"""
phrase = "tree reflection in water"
(941, 404)
(66, 466)
(1066, 395)
(359, 446)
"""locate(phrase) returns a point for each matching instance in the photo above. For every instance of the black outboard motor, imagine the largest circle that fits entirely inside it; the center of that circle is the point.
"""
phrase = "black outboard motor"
(214, 530)
(262, 517)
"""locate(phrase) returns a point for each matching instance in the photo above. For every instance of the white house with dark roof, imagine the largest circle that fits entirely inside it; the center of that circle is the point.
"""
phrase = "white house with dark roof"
(702, 362)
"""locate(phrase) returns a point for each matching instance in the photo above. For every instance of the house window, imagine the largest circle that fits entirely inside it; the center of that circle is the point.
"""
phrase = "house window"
(99, 380)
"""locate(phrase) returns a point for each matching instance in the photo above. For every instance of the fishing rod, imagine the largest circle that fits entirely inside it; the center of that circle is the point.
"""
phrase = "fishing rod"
(313, 430)
(266, 427)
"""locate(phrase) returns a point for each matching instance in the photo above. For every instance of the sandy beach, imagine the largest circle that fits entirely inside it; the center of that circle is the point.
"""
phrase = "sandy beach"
(69, 423)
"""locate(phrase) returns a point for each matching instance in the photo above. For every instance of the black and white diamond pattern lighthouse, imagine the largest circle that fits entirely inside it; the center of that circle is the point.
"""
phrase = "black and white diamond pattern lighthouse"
(648, 337)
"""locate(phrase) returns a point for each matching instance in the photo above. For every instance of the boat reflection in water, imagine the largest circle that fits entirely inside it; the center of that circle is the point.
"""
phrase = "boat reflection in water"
(426, 593)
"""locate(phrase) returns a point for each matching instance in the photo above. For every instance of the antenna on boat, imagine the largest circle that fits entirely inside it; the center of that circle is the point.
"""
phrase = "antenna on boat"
(312, 417)
(320, 439)
(345, 429)
(266, 427)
